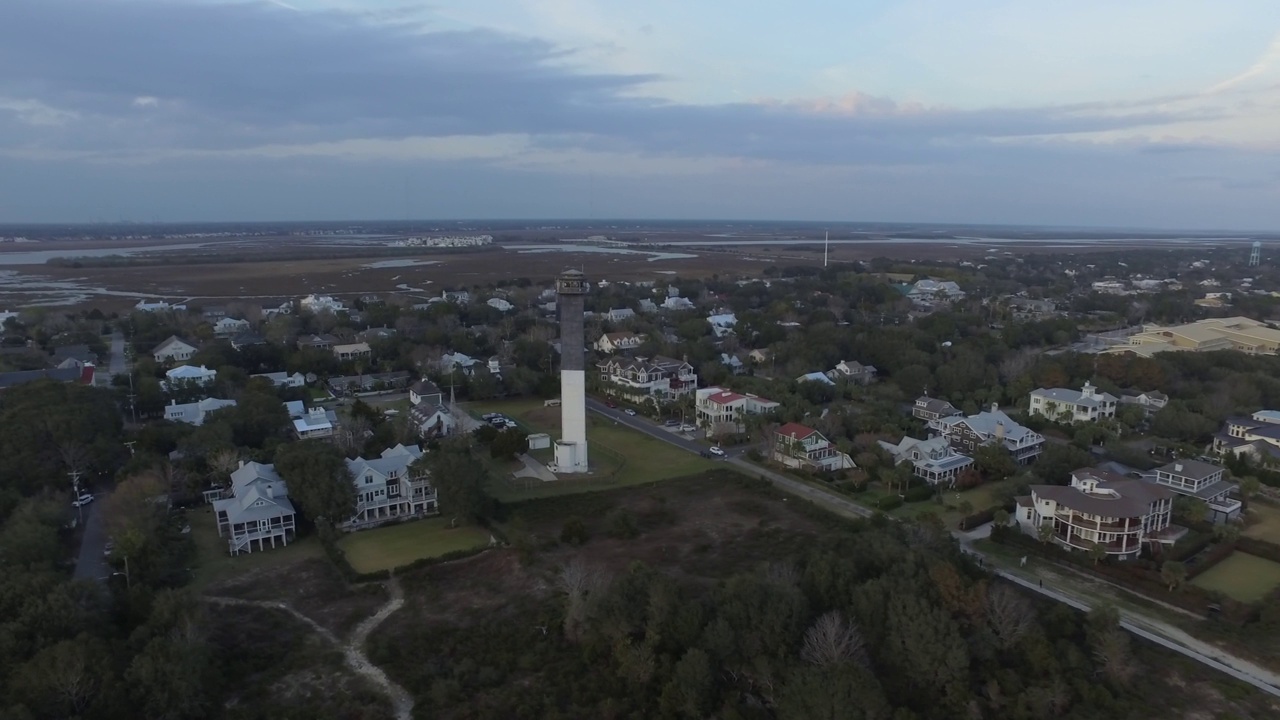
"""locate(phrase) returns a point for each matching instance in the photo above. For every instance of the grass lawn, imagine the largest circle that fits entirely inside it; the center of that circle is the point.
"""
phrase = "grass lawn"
(980, 498)
(1264, 521)
(390, 547)
(621, 456)
(1247, 578)
(213, 564)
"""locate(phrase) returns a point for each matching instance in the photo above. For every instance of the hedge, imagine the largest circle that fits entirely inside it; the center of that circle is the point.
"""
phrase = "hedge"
(918, 493)
(890, 502)
(978, 519)
(1259, 548)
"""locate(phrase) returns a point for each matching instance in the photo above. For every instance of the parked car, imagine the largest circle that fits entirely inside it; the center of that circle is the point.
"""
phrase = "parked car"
(716, 451)
(687, 428)
(83, 500)
(672, 423)
(629, 411)
(610, 404)
(489, 416)
(108, 548)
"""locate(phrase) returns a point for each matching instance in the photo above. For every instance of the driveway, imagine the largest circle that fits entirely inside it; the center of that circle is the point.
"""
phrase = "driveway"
(118, 363)
(91, 565)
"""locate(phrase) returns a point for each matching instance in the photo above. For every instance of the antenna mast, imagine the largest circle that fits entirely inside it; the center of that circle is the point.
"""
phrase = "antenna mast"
(826, 243)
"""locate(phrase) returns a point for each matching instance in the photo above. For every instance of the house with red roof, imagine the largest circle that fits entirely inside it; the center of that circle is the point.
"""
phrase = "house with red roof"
(801, 447)
(720, 411)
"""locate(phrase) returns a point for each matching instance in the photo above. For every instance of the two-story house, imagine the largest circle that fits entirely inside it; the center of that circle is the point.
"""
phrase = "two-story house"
(255, 509)
(352, 351)
(188, 375)
(390, 488)
(173, 349)
(853, 371)
(229, 326)
(1150, 402)
(321, 304)
(316, 342)
(931, 410)
(797, 446)
(640, 379)
(1071, 406)
(720, 411)
(194, 413)
(933, 460)
(1101, 508)
(430, 413)
(611, 343)
(967, 434)
(283, 379)
(1257, 436)
(1202, 481)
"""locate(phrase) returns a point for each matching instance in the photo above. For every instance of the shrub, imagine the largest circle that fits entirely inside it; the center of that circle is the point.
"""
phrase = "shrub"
(574, 532)
(892, 502)
(754, 455)
(918, 493)
(978, 519)
(622, 525)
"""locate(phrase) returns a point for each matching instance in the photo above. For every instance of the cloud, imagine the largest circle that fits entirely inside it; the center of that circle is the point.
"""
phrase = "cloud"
(1269, 58)
(35, 113)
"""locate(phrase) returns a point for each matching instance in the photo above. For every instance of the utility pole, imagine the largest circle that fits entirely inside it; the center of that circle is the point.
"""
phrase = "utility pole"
(133, 406)
(130, 445)
(75, 490)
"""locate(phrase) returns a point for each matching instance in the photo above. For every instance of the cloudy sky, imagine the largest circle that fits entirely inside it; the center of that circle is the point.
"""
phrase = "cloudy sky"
(1141, 113)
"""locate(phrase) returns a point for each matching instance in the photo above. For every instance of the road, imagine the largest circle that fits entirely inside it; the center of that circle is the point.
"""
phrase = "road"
(1147, 628)
(91, 565)
(119, 364)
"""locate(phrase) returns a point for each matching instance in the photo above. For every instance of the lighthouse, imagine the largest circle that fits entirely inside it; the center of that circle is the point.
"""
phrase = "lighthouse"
(571, 448)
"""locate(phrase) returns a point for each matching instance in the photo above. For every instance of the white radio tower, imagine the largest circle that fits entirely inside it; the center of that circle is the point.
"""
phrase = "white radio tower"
(1255, 256)
(826, 243)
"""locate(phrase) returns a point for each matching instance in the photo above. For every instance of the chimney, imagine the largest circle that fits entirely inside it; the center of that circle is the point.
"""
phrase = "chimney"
(1000, 431)
(995, 407)
(241, 463)
(173, 402)
(1177, 467)
(271, 491)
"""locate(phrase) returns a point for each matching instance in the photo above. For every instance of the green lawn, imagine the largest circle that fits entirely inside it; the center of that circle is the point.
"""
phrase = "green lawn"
(1264, 521)
(620, 456)
(1247, 578)
(214, 564)
(390, 547)
(980, 498)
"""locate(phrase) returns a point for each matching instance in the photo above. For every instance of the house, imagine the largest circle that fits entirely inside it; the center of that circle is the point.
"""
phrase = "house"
(321, 304)
(815, 377)
(158, 306)
(255, 508)
(1032, 308)
(374, 382)
(188, 375)
(760, 356)
(316, 342)
(1101, 508)
(173, 350)
(247, 339)
(932, 410)
(499, 304)
(457, 297)
(967, 434)
(677, 303)
(722, 323)
(284, 308)
(390, 488)
(733, 362)
(853, 371)
(932, 460)
(83, 375)
(311, 423)
(930, 291)
(797, 446)
(352, 351)
(1063, 405)
(721, 411)
(1148, 401)
(1202, 481)
(425, 391)
(465, 363)
(77, 356)
(619, 314)
(648, 306)
(641, 378)
(284, 379)
(1232, 333)
(228, 326)
(619, 342)
(194, 413)
(213, 313)
(375, 334)
(1257, 436)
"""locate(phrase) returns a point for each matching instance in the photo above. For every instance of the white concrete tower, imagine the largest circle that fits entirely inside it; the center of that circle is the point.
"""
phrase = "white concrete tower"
(571, 448)
(1255, 255)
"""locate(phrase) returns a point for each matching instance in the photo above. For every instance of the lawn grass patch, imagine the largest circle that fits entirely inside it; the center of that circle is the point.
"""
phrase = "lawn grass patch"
(1264, 521)
(214, 564)
(1243, 577)
(393, 546)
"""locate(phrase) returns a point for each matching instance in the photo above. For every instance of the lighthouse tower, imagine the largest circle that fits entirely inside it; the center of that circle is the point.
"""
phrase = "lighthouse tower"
(571, 448)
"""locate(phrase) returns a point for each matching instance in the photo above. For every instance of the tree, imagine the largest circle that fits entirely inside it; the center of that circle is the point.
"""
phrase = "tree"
(224, 461)
(581, 584)
(136, 511)
(64, 678)
(1173, 573)
(318, 478)
(689, 692)
(1192, 510)
(1110, 644)
(1008, 615)
(459, 479)
(1000, 517)
(831, 640)
(1097, 552)
(1045, 532)
(1249, 486)
(994, 462)
(509, 443)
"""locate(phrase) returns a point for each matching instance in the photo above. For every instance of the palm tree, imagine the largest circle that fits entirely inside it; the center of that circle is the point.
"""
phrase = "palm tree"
(1097, 552)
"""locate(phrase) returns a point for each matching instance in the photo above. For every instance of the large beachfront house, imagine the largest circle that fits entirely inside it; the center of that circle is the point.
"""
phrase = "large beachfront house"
(1202, 481)
(390, 488)
(1068, 406)
(797, 446)
(640, 379)
(967, 434)
(1101, 508)
(721, 411)
(933, 460)
(254, 510)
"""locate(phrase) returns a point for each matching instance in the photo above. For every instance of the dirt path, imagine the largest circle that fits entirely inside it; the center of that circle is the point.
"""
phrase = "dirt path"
(352, 648)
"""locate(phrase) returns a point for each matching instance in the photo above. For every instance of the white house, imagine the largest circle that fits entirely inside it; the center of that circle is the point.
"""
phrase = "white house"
(194, 413)
(935, 291)
(284, 379)
(451, 361)
(720, 411)
(853, 371)
(255, 509)
(188, 375)
(619, 342)
(641, 378)
(1148, 401)
(1063, 405)
(312, 423)
(797, 446)
(733, 362)
(619, 314)
(173, 349)
(1101, 508)
(933, 460)
(158, 306)
(352, 351)
(321, 304)
(1202, 481)
(390, 488)
(500, 305)
(677, 303)
(722, 323)
(228, 326)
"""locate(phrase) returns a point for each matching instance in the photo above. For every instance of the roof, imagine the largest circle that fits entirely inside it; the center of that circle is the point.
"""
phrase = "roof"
(22, 377)
(937, 405)
(815, 377)
(985, 423)
(796, 431)
(1132, 498)
(397, 459)
(189, 371)
(1074, 397)
(425, 387)
(170, 341)
(77, 352)
(724, 397)
(1193, 469)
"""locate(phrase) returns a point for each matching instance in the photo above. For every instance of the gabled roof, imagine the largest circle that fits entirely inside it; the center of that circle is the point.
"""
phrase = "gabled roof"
(171, 340)
(21, 377)
(396, 459)
(796, 431)
(189, 371)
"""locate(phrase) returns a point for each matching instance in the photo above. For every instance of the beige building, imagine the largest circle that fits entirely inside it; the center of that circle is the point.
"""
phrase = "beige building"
(1233, 333)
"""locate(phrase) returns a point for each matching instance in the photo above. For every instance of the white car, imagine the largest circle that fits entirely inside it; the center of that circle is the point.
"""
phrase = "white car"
(629, 411)
(687, 428)
(83, 500)
(717, 452)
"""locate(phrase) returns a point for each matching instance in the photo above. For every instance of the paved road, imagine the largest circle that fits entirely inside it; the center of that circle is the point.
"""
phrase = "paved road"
(91, 565)
(1162, 634)
(119, 364)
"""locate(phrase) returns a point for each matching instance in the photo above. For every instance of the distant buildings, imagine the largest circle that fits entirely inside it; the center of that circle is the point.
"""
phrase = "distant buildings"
(157, 306)
(321, 304)
(1233, 333)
